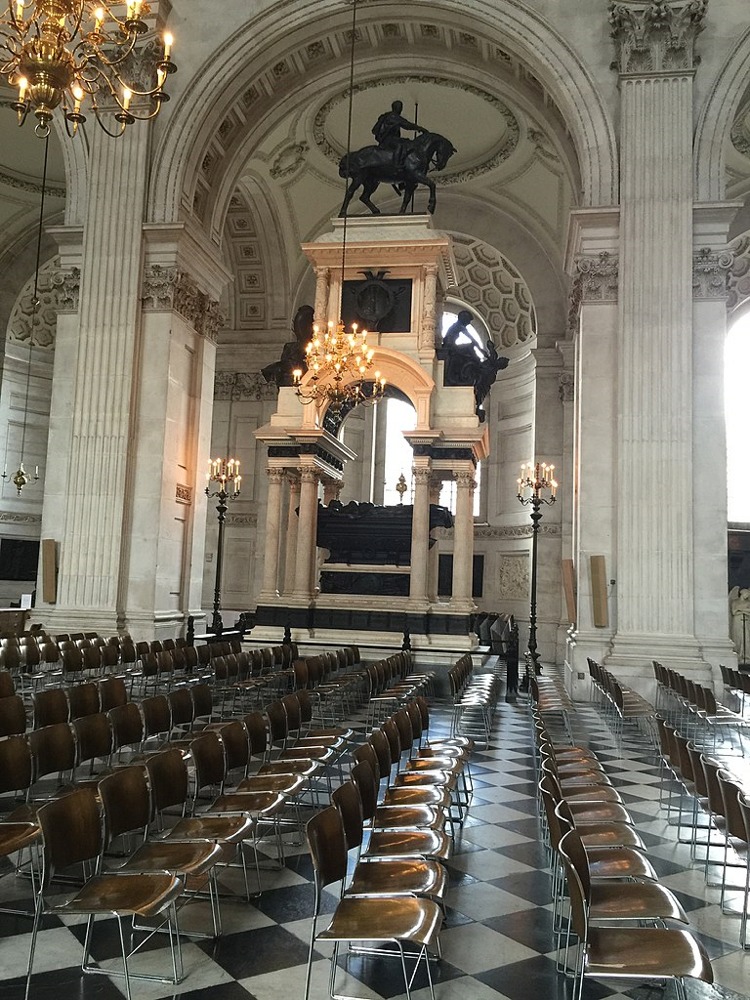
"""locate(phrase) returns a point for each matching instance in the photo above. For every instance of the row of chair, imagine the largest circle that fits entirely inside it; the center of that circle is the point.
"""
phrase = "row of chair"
(474, 697)
(596, 852)
(694, 709)
(621, 704)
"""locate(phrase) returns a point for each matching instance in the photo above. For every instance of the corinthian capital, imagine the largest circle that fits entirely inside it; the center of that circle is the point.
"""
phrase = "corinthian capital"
(655, 36)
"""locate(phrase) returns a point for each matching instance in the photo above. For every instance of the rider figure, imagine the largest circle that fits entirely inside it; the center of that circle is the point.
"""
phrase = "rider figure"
(387, 132)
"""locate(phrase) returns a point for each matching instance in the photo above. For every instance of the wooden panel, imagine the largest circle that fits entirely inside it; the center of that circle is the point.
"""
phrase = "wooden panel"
(599, 591)
(569, 587)
(49, 571)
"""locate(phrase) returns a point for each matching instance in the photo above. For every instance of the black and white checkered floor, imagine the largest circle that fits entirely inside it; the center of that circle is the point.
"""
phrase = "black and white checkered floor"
(498, 942)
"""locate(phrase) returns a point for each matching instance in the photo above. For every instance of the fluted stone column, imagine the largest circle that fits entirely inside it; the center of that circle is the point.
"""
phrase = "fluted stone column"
(463, 541)
(292, 527)
(273, 527)
(306, 532)
(420, 533)
(433, 554)
(655, 579)
(322, 286)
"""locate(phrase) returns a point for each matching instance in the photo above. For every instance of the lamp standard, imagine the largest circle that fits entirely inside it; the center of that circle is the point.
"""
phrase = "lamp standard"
(538, 478)
(225, 474)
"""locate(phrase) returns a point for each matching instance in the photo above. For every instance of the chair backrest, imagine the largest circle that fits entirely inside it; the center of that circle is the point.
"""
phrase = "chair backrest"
(157, 716)
(92, 658)
(277, 721)
(236, 745)
(50, 707)
(579, 899)
(127, 725)
(347, 800)
(209, 762)
(730, 790)
(365, 752)
(168, 777)
(405, 734)
(364, 778)
(53, 749)
(711, 770)
(7, 686)
(93, 736)
(257, 733)
(382, 748)
(83, 700)
(71, 831)
(325, 835)
(10, 657)
(203, 701)
(181, 704)
(16, 766)
(393, 736)
(112, 690)
(126, 802)
(12, 716)
(293, 713)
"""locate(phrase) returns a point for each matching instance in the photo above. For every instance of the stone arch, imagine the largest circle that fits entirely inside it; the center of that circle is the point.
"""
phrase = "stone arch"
(715, 122)
(200, 117)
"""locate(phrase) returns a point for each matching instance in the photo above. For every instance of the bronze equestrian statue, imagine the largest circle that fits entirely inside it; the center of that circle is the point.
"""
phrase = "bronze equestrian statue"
(404, 163)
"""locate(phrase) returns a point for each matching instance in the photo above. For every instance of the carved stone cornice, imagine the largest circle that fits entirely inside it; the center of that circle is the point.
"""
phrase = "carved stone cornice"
(240, 520)
(711, 272)
(596, 280)
(168, 289)
(656, 36)
(243, 385)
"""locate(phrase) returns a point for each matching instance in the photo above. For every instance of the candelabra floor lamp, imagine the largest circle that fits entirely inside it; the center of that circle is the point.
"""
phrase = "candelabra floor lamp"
(533, 485)
(224, 473)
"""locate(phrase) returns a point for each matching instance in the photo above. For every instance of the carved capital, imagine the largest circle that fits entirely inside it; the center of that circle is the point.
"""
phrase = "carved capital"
(276, 476)
(422, 478)
(711, 273)
(309, 476)
(596, 280)
(738, 280)
(464, 481)
(66, 289)
(566, 387)
(168, 289)
(655, 36)
(294, 485)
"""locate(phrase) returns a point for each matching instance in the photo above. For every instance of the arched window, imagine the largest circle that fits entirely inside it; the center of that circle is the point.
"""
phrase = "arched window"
(736, 369)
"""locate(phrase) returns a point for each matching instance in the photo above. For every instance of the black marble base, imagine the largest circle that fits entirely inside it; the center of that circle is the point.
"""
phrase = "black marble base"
(364, 620)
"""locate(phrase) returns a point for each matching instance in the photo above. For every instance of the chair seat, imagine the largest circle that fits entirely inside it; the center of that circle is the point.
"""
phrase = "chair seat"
(399, 877)
(645, 953)
(302, 766)
(287, 784)
(609, 835)
(395, 918)
(634, 901)
(143, 894)
(409, 843)
(248, 803)
(408, 816)
(15, 836)
(187, 857)
(419, 795)
(619, 862)
(598, 812)
(225, 829)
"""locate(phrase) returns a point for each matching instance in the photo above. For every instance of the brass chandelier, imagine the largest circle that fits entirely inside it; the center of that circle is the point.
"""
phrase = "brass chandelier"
(74, 54)
(338, 363)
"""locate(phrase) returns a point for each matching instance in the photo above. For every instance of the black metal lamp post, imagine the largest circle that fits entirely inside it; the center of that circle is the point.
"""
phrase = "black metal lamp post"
(225, 473)
(538, 478)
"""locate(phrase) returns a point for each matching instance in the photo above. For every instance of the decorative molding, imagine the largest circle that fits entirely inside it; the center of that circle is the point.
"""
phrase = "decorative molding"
(242, 520)
(507, 147)
(512, 578)
(23, 184)
(738, 280)
(566, 387)
(168, 289)
(288, 160)
(711, 272)
(596, 280)
(243, 385)
(515, 531)
(183, 494)
(489, 283)
(10, 517)
(657, 36)
(36, 327)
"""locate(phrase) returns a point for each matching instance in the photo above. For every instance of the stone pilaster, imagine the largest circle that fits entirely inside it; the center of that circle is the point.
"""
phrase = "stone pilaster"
(276, 479)
(463, 541)
(306, 532)
(292, 526)
(655, 584)
(420, 533)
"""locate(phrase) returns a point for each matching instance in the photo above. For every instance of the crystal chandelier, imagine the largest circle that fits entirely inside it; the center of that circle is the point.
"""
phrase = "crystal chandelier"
(338, 363)
(70, 54)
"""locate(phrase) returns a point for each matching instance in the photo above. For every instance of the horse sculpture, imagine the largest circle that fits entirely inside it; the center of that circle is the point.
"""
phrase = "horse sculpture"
(374, 165)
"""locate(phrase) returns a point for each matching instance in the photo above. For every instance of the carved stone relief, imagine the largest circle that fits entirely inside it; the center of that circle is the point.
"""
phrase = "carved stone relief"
(513, 577)
(243, 385)
(37, 328)
(566, 387)
(711, 273)
(166, 289)
(738, 279)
